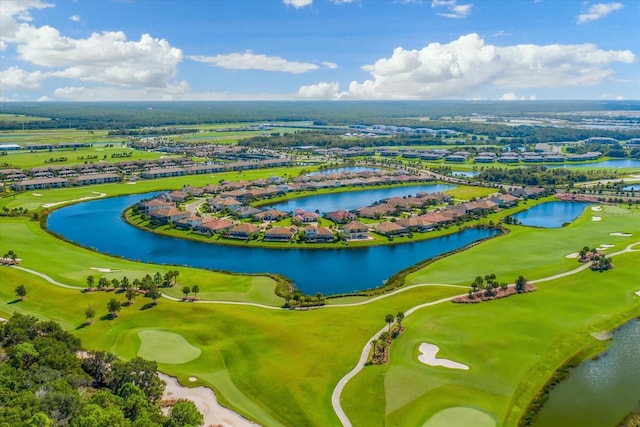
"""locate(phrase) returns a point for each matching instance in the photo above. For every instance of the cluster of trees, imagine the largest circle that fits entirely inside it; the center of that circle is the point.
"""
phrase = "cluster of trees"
(380, 346)
(599, 261)
(43, 382)
(542, 176)
(145, 284)
(14, 211)
(488, 284)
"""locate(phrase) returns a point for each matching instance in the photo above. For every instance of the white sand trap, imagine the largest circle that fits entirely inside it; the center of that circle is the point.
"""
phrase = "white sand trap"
(103, 270)
(206, 402)
(131, 183)
(638, 293)
(606, 246)
(620, 234)
(97, 196)
(428, 357)
(36, 194)
(193, 379)
(596, 208)
(602, 336)
(572, 255)
(596, 218)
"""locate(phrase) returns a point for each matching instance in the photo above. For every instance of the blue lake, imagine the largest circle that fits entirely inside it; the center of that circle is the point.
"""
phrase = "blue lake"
(98, 225)
(350, 169)
(615, 163)
(598, 392)
(355, 199)
(632, 188)
(551, 214)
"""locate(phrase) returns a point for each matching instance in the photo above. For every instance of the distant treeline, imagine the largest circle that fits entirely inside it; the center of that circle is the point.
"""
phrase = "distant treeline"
(133, 115)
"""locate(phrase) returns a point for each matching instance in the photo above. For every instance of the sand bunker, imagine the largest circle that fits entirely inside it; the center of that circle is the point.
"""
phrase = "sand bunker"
(460, 416)
(596, 208)
(596, 218)
(193, 379)
(36, 194)
(572, 255)
(131, 183)
(206, 402)
(428, 357)
(103, 270)
(638, 293)
(81, 199)
(620, 234)
(602, 336)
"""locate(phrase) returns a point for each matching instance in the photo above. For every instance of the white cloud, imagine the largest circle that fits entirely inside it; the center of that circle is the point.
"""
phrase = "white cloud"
(298, 3)
(322, 90)
(513, 97)
(454, 10)
(104, 58)
(251, 61)
(106, 93)
(15, 77)
(74, 18)
(330, 65)
(461, 68)
(598, 11)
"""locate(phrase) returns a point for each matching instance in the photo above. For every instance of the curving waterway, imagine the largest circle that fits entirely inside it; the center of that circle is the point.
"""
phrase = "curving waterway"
(599, 392)
(551, 214)
(98, 225)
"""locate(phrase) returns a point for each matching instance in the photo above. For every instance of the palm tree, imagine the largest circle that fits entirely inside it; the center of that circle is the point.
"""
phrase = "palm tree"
(186, 290)
(21, 292)
(195, 289)
(115, 283)
(389, 318)
(103, 283)
(400, 318)
(124, 283)
(113, 307)
(520, 284)
(91, 281)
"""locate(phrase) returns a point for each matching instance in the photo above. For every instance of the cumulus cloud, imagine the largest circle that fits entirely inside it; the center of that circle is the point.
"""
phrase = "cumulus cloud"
(322, 90)
(598, 11)
(460, 68)
(15, 77)
(74, 18)
(453, 10)
(330, 65)
(106, 57)
(251, 61)
(298, 3)
(106, 93)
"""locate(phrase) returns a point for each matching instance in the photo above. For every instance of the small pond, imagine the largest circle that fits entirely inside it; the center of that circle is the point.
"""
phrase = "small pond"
(355, 199)
(599, 393)
(466, 174)
(551, 214)
(635, 187)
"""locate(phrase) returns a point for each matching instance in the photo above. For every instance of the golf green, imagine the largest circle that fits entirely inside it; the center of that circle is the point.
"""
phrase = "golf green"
(460, 416)
(166, 347)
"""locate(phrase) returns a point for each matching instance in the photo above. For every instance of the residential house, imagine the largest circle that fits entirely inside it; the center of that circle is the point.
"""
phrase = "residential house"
(341, 216)
(271, 215)
(390, 229)
(279, 234)
(168, 215)
(314, 234)
(418, 223)
(355, 230)
(243, 231)
(300, 215)
(213, 226)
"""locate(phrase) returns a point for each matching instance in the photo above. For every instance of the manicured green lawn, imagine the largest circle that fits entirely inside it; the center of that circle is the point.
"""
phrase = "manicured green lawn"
(511, 345)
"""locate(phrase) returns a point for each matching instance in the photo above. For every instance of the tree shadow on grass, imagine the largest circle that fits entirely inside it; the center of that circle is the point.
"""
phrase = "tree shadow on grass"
(14, 301)
(148, 305)
(108, 316)
(82, 325)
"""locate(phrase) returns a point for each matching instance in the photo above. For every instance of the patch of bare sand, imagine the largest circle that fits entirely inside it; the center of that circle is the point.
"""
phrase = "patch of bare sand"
(206, 402)
(102, 270)
(596, 218)
(620, 234)
(428, 357)
(572, 255)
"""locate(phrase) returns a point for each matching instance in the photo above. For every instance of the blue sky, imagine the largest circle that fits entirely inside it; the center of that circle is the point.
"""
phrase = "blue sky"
(97, 50)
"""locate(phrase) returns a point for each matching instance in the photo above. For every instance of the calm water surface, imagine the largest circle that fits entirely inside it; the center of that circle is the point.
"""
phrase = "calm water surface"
(355, 199)
(615, 163)
(599, 393)
(632, 187)
(551, 214)
(98, 225)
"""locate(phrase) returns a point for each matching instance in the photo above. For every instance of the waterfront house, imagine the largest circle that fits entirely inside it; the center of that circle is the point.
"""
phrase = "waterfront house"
(314, 233)
(213, 225)
(279, 234)
(390, 229)
(341, 216)
(270, 215)
(355, 230)
(243, 231)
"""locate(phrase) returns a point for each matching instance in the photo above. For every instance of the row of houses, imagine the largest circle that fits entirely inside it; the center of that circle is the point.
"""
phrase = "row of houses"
(43, 180)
